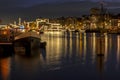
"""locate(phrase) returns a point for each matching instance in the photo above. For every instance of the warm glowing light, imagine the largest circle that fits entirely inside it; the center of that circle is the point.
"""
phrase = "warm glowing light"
(118, 51)
(81, 43)
(23, 30)
(5, 68)
(53, 32)
(4, 32)
(106, 47)
(94, 46)
(85, 46)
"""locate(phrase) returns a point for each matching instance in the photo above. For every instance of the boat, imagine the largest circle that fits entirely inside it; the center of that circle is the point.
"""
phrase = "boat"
(6, 45)
(30, 40)
(6, 36)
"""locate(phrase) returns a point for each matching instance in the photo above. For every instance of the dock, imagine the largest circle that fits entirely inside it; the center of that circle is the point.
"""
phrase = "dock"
(6, 43)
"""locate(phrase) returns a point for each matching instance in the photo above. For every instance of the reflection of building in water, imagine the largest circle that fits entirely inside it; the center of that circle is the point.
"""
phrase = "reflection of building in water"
(85, 46)
(93, 47)
(66, 45)
(118, 51)
(77, 45)
(110, 44)
(54, 47)
(106, 47)
(58, 46)
(100, 64)
(5, 68)
(100, 45)
(81, 47)
(70, 46)
(100, 50)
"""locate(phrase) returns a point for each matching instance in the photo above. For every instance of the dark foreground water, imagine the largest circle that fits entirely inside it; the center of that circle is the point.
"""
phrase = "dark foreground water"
(72, 57)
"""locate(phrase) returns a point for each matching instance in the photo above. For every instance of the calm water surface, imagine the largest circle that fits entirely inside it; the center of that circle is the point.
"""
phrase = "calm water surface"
(72, 57)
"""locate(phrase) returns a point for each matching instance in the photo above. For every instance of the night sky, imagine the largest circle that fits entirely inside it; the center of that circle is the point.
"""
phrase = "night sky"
(31, 9)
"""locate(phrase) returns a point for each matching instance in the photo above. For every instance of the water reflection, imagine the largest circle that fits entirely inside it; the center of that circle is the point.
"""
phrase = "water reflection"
(5, 68)
(79, 49)
(100, 66)
(94, 47)
(85, 46)
(6, 50)
(118, 52)
(70, 57)
(43, 53)
(100, 52)
(106, 47)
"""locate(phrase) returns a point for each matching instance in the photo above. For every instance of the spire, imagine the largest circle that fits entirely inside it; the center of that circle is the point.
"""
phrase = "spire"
(102, 9)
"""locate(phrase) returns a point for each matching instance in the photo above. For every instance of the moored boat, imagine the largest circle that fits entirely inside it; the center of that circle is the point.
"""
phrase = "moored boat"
(29, 40)
(6, 45)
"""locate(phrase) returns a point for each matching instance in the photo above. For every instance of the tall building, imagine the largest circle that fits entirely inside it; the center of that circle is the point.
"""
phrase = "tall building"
(19, 23)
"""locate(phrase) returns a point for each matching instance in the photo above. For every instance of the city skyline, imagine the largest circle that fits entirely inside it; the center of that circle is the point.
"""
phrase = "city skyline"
(50, 8)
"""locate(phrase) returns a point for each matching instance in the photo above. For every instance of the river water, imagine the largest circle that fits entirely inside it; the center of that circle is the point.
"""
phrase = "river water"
(67, 57)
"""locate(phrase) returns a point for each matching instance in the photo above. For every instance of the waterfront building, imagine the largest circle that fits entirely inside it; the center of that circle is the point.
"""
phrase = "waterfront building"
(42, 24)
